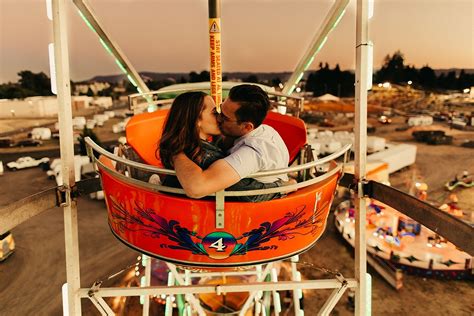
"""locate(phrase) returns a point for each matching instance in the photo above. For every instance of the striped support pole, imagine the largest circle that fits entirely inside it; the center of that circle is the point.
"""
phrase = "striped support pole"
(215, 51)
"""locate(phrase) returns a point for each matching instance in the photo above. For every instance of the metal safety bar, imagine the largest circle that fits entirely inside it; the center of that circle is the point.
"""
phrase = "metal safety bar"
(155, 187)
(220, 288)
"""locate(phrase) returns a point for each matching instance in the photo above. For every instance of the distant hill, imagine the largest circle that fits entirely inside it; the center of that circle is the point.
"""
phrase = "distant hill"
(231, 75)
(178, 75)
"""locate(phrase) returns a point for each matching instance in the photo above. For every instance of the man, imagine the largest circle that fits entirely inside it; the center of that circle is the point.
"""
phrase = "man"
(257, 147)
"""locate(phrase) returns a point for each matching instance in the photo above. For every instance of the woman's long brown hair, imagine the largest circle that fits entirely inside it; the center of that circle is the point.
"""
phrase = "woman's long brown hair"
(181, 132)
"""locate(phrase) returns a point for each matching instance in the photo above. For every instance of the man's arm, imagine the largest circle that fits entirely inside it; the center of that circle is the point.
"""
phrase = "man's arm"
(198, 183)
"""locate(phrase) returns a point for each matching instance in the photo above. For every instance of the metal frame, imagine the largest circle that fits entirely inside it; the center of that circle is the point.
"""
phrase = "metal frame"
(332, 19)
(72, 293)
(71, 234)
(111, 46)
(14, 214)
(255, 289)
(362, 29)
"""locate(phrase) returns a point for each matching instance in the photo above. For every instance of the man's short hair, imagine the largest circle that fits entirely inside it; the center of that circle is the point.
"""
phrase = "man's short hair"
(253, 101)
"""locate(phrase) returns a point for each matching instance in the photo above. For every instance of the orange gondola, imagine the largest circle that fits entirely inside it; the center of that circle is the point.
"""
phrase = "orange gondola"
(212, 233)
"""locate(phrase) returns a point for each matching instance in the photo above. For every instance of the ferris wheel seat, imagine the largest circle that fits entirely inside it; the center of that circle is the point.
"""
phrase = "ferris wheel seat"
(183, 231)
(186, 232)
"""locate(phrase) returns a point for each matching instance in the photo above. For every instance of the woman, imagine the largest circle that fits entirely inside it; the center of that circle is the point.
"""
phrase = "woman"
(190, 127)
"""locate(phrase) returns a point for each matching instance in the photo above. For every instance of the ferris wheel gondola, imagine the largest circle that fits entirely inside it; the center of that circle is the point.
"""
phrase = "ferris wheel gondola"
(213, 233)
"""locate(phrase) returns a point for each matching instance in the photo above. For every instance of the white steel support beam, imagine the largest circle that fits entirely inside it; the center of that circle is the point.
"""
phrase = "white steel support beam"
(147, 276)
(188, 295)
(252, 294)
(219, 289)
(110, 45)
(297, 293)
(61, 59)
(102, 306)
(361, 78)
(332, 301)
(332, 19)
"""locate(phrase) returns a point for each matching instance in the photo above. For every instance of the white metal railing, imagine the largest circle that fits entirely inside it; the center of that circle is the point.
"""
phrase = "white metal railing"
(138, 102)
(92, 146)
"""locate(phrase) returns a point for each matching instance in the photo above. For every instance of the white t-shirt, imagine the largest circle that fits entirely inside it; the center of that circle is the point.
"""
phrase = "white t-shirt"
(260, 150)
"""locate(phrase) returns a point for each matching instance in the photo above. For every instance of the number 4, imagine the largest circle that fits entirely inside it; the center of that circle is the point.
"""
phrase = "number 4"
(218, 245)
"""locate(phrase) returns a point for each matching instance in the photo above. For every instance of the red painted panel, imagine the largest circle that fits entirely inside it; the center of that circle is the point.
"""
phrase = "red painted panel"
(182, 230)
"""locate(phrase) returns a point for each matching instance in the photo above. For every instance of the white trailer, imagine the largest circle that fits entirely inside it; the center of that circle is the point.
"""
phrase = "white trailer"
(79, 122)
(420, 120)
(331, 147)
(100, 119)
(375, 144)
(42, 133)
(110, 114)
(103, 102)
(119, 127)
(55, 168)
(397, 156)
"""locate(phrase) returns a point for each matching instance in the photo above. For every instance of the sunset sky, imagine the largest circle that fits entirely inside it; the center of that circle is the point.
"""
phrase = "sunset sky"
(257, 35)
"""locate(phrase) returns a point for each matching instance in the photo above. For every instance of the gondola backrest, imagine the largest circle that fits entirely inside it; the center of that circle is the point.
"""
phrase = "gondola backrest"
(291, 129)
(144, 130)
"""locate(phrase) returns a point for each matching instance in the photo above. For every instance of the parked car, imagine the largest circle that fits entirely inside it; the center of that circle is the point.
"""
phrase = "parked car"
(371, 128)
(6, 142)
(424, 136)
(28, 143)
(402, 128)
(384, 119)
(7, 245)
(27, 162)
(440, 140)
(468, 144)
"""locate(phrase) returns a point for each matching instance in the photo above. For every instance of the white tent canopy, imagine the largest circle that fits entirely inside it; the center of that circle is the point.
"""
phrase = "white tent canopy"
(328, 97)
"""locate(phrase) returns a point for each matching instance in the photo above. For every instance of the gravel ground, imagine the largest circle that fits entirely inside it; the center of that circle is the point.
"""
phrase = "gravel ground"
(31, 278)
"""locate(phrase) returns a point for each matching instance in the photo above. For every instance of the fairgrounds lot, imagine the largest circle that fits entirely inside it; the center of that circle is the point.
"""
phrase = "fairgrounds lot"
(32, 277)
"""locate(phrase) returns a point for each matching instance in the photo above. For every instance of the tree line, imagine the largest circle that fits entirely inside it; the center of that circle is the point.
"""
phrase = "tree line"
(324, 80)
(393, 70)
(30, 84)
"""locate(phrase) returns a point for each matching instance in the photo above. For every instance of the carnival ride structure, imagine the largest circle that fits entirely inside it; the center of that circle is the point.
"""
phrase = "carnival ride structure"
(463, 181)
(214, 235)
(219, 236)
(405, 243)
